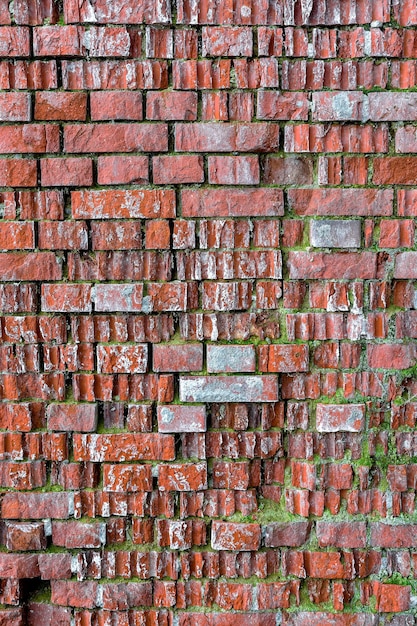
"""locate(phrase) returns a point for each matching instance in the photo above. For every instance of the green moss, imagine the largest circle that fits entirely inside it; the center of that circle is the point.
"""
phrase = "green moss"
(272, 511)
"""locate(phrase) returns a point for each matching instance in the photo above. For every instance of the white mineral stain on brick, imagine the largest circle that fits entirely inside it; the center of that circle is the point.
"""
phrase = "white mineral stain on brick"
(331, 418)
(230, 358)
(335, 233)
(223, 389)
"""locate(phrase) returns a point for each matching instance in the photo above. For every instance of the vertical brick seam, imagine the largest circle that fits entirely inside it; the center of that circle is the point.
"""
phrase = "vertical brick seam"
(208, 279)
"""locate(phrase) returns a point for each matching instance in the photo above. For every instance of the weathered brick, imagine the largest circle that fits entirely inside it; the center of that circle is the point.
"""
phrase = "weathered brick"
(341, 534)
(68, 172)
(171, 170)
(109, 138)
(177, 358)
(171, 105)
(122, 359)
(332, 418)
(51, 105)
(181, 419)
(232, 536)
(233, 202)
(182, 477)
(123, 447)
(119, 170)
(15, 107)
(335, 233)
(146, 203)
(229, 42)
(68, 298)
(336, 265)
(228, 389)
(338, 106)
(72, 417)
(230, 358)
(283, 358)
(349, 202)
(275, 105)
(240, 170)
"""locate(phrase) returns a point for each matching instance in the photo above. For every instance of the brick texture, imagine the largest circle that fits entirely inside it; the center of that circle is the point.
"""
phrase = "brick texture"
(208, 312)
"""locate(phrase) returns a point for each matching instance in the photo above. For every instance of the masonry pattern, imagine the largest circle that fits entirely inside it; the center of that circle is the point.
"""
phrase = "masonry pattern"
(208, 292)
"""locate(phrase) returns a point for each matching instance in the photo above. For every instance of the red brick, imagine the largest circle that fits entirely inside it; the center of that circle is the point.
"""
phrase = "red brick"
(396, 234)
(232, 536)
(157, 235)
(116, 235)
(27, 139)
(350, 265)
(127, 478)
(167, 296)
(117, 105)
(171, 105)
(349, 202)
(122, 359)
(68, 298)
(119, 203)
(393, 536)
(123, 447)
(182, 477)
(19, 566)
(329, 565)
(240, 170)
(30, 266)
(72, 417)
(65, 235)
(17, 236)
(15, 107)
(251, 137)
(283, 358)
(391, 598)
(275, 105)
(177, 358)
(25, 536)
(66, 172)
(233, 202)
(80, 594)
(111, 138)
(37, 505)
(57, 41)
(119, 170)
(340, 417)
(392, 356)
(121, 596)
(181, 419)
(14, 41)
(232, 41)
(405, 265)
(172, 170)
(50, 105)
(395, 171)
(40, 613)
(18, 173)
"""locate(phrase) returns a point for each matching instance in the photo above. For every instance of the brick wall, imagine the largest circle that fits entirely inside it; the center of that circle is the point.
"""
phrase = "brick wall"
(209, 312)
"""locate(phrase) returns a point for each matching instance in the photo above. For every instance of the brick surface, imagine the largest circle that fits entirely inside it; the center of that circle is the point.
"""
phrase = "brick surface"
(208, 304)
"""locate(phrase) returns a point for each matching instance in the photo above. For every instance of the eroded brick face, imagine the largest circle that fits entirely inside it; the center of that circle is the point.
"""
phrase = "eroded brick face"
(208, 296)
